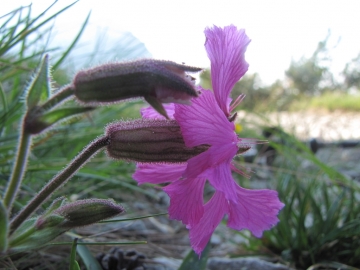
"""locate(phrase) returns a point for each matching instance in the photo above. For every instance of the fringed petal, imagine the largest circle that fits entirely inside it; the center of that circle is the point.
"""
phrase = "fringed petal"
(209, 159)
(256, 210)
(186, 200)
(203, 122)
(214, 211)
(221, 179)
(226, 50)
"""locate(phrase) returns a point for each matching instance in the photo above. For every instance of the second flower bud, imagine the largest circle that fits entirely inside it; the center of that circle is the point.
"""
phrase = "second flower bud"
(154, 80)
(149, 141)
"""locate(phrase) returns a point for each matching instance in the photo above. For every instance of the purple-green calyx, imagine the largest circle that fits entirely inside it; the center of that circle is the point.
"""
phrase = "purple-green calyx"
(155, 80)
(81, 213)
(59, 218)
(149, 141)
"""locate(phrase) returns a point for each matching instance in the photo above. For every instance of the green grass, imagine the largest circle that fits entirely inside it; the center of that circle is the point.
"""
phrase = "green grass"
(279, 98)
(23, 43)
(320, 223)
(52, 150)
(335, 101)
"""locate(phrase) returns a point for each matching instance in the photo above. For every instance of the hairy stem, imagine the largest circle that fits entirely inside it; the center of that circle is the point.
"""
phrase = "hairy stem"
(18, 170)
(59, 180)
(59, 97)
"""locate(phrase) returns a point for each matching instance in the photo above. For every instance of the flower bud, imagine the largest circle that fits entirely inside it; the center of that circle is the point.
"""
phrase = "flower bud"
(36, 232)
(48, 221)
(149, 141)
(154, 80)
(86, 212)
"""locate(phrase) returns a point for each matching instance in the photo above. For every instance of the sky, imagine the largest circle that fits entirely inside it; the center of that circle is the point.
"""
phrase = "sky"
(280, 30)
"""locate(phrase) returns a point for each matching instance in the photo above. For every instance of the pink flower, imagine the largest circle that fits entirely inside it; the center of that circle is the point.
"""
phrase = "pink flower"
(209, 121)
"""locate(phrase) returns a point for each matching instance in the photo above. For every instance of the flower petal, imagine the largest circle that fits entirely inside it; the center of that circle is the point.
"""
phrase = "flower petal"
(209, 159)
(149, 112)
(214, 164)
(256, 210)
(221, 179)
(226, 48)
(186, 200)
(158, 173)
(203, 122)
(214, 211)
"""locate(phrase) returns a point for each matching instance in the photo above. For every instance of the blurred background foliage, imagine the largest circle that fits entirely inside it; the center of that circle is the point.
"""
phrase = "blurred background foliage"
(24, 41)
(308, 84)
(320, 222)
(319, 226)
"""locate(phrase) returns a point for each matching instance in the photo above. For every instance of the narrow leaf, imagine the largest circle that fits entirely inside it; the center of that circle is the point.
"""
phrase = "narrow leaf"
(4, 227)
(194, 261)
(27, 30)
(10, 32)
(37, 124)
(52, 117)
(73, 263)
(11, 15)
(3, 99)
(90, 262)
(73, 43)
(39, 89)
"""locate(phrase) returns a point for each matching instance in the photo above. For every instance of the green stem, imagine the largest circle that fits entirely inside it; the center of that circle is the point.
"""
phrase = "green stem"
(18, 170)
(14, 242)
(59, 180)
(59, 97)
(4, 228)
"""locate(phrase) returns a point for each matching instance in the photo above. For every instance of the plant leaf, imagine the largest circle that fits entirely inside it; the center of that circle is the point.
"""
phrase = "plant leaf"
(57, 115)
(72, 45)
(4, 227)
(73, 263)
(90, 262)
(194, 261)
(39, 89)
(24, 33)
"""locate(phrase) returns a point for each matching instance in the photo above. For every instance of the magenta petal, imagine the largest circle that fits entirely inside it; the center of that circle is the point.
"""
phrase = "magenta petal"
(221, 179)
(214, 156)
(203, 122)
(186, 200)
(158, 173)
(214, 164)
(226, 48)
(209, 159)
(214, 211)
(256, 210)
(149, 112)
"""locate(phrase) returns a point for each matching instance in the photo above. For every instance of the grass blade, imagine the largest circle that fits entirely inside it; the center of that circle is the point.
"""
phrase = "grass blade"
(66, 53)
(73, 263)
(194, 261)
(90, 262)
(26, 31)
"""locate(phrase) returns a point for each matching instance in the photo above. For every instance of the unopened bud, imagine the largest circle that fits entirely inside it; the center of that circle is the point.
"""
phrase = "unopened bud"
(48, 218)
(149, 141)
(86, 212)
(36, 232)
(154, 80)
(48, 221)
